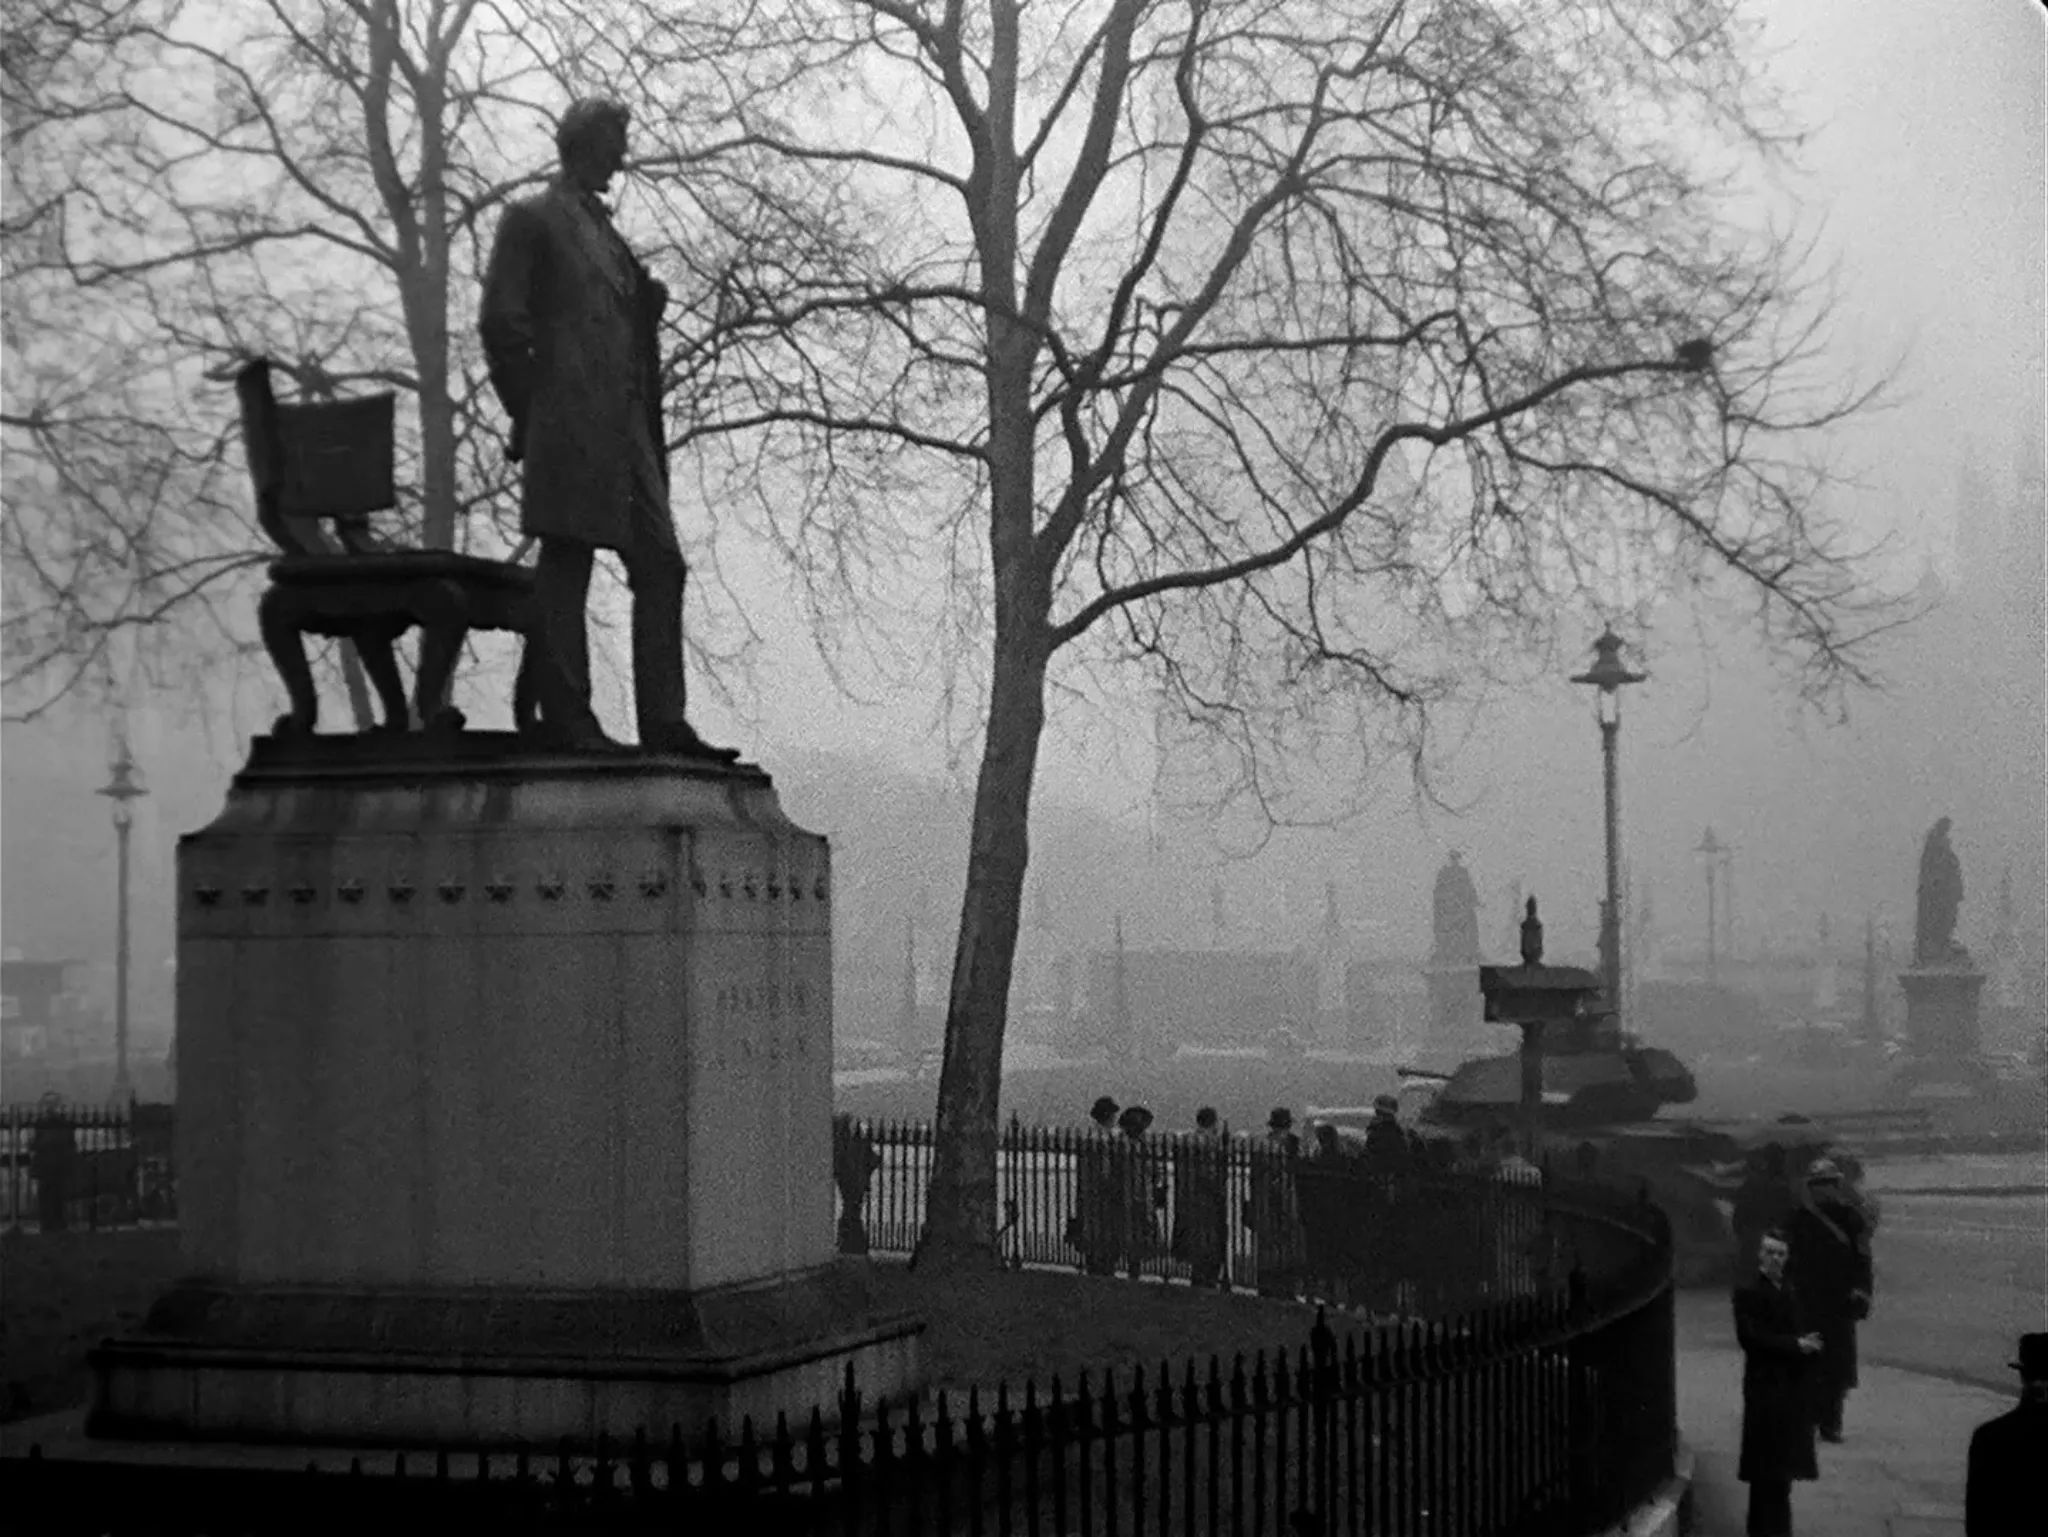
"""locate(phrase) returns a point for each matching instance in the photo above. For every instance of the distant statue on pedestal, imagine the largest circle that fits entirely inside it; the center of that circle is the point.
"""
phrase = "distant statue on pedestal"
(1940, 897)
(1457, 915)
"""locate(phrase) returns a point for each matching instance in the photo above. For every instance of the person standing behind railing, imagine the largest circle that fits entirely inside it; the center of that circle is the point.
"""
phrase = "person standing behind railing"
(1384, 1165)
(1141, 1192)
(1096, 1228)
(854, 1161)
(53, 1162)
(1201, 1202)
(1274, 1213)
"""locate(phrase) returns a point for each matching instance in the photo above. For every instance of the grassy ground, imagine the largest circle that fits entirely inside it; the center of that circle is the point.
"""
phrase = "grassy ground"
(60, 1295)
(1037, 1324)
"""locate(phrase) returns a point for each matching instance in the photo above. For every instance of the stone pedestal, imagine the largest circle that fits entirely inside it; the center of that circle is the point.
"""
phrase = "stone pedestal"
(505, 1113)
(1943, 1037)
(1457, 1009)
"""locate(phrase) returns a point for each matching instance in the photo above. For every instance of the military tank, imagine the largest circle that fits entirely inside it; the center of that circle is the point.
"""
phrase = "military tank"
(1601, 1091)
(1590, 1078)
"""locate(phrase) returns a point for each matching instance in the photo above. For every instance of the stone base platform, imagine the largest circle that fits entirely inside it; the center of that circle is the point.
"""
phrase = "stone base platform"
(495, 1368)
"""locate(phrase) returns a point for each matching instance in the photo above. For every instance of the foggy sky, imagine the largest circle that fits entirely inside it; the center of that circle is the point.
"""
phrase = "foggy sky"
(1927, 165)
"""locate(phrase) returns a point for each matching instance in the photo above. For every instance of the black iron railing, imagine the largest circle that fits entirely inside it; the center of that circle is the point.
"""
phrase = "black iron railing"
(75, 1166)
(1532, 1416)
(1514, 1373)
(1415, 1238)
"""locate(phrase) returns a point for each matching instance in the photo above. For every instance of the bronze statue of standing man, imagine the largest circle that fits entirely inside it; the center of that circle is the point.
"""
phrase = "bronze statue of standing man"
(570, 327)
(1937, 900)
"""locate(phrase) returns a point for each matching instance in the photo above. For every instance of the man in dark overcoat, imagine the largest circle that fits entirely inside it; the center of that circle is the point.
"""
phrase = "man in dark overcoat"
(1201, 1183)
(2002, 1496)
(1274, 1211)
(1141, 1192)
(570, 325)
(854, 1161)
(1777, 1426)
(1831, 1271)
(1097, 1228)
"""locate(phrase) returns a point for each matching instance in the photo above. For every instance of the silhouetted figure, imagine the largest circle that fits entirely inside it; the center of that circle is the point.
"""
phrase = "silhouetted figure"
(1386, 1143)
(854, 1161)
(2002, 1492)
(1831, 1271)
(1201, 1184)
(1456, 918)
(1274, 1214)
(1324, 1188)
(1940, 898)
(1777, 1427)
(53, 1163)
(1097, 1228)
(1142, 1194)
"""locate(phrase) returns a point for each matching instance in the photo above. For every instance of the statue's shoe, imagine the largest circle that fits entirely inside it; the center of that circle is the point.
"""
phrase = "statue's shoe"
(584, 736)
(681, 737)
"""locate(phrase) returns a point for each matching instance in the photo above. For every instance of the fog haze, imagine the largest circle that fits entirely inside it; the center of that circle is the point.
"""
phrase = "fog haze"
(1925, 180)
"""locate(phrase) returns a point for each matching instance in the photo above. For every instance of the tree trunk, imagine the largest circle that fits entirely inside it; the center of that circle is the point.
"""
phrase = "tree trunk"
(960, 1212)
(960, 1208)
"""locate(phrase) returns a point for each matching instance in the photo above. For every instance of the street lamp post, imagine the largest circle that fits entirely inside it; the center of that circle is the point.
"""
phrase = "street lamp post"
(122, 788)
(1728, 903)
(1711, 849)
(1608, 675)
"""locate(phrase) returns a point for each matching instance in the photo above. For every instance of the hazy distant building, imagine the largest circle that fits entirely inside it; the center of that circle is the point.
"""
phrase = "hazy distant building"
(1198, 997)
(43, 1014)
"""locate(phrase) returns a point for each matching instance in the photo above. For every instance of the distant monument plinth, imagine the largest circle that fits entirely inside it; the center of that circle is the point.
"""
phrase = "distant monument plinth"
(1943, 1035)
(1457, 1010)
(505, 1112)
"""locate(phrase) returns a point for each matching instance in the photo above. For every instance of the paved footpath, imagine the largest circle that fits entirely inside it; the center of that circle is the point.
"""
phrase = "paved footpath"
(1898, 1473)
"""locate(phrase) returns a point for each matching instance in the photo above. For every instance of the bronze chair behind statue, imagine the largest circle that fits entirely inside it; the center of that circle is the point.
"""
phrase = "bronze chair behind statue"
(331, 461)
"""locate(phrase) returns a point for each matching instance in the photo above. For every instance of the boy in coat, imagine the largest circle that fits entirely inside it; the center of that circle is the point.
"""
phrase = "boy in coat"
(1777, 1424)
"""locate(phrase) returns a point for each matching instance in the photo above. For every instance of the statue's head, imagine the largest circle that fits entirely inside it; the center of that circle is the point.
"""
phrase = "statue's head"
(591, 139)
(1941, 828)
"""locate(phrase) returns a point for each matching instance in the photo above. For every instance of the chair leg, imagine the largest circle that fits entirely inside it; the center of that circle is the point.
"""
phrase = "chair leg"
(526, 687)
(444, 625)
(374, 647)
(284, 641)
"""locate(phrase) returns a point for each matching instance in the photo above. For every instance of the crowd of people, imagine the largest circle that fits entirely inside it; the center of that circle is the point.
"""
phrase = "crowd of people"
(1299, 1221)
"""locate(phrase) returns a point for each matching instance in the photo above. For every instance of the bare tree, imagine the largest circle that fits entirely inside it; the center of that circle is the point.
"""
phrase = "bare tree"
(1304, 353)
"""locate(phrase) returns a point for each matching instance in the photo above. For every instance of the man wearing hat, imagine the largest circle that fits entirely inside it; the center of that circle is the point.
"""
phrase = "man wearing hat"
(1275, 1213)
(1140, 1193)
(1097, 1225)
(1386, 1147)
(1831, 1271)
(1201, 1182)
(2002, 1494)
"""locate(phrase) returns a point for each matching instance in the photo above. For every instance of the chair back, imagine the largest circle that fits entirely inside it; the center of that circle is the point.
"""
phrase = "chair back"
(315, 460)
